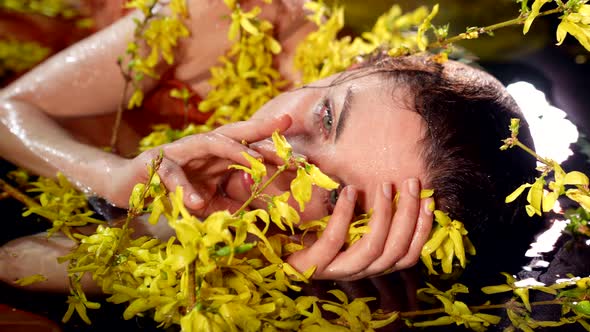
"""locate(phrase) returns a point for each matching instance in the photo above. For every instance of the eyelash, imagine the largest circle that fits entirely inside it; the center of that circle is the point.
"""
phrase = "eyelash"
(324, 117)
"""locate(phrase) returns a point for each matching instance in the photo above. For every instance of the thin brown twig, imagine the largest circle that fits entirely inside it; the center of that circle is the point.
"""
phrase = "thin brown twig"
(490, 28)
(119, 115)
(128, 76)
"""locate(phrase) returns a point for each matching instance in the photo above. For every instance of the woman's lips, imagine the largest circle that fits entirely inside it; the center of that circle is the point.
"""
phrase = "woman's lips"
(247, 180)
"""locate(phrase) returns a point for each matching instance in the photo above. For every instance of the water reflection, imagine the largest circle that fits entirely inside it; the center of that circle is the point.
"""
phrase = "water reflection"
(551, 131)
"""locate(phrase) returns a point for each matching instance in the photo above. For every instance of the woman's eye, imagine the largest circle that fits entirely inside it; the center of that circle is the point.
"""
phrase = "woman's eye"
(324, 117)
(327, 118)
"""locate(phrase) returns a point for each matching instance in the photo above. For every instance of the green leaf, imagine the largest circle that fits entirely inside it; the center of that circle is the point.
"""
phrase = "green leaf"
(582, 307)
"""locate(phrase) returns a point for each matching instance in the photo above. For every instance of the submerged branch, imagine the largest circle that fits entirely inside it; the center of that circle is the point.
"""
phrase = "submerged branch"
(17, 194)
(476, 308)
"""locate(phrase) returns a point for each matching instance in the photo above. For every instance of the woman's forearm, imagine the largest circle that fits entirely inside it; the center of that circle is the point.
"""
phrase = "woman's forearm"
(31, 139)
(85, 80)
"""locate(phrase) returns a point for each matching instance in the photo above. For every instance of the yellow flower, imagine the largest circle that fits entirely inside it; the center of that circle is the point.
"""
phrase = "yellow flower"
(420, 37)
(162, 35)
(283, 148)
(282, 213)
(246, 78)
(179, 7)
(448, 240)
(535, 9)
(257, 169)
(301, 188)
(459, 314)
(522, 292)
(26, 281)
(18, 56)
(577, 25)
(580, 196)
(320, 179)
(78, 302)
(143, 5)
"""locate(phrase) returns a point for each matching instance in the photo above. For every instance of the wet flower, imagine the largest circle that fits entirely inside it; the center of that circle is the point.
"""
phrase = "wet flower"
(33, 279)
(448, 240)
(533, 13)
(576, 24)
(459, 314)
(521, 292)
(257, 169)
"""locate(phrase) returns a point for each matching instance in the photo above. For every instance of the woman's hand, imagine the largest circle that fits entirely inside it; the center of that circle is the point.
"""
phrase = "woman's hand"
(197, 163)
(394, 242)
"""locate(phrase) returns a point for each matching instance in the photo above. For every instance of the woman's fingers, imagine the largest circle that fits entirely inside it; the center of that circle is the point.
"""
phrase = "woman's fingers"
(254, 130)
(268, 151)
(323, 251)
(201, 147)
(400, 234)
(226, 141)
(421, 234)
(371, 247)
(172, 175)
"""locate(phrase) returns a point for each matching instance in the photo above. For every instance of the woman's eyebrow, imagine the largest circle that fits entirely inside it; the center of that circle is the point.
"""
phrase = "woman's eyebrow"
(345, 111)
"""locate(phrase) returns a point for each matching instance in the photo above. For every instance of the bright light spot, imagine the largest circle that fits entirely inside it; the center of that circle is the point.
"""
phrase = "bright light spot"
(551, 131)
(540, 263)
(569, 281)
(546, 241)
(528, 282)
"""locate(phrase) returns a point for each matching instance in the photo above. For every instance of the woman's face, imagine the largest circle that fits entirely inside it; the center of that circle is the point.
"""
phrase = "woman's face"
(358, 131)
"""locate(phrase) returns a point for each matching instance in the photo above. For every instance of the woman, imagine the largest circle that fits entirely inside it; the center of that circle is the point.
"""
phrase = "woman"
(389, 126)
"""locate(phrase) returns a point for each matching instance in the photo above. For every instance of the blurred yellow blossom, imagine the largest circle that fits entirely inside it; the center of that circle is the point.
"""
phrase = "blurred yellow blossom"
(576, 24)
(18, 56)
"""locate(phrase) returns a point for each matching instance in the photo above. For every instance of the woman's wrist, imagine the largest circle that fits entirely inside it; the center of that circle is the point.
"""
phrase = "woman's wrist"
(97, 174)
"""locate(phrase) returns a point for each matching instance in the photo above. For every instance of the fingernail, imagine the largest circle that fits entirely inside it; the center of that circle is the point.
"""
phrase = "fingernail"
(413, 187)
(387, 191)
(279, 117)
(429, 206)
(254, 154)
(351, 194)
(194, 199)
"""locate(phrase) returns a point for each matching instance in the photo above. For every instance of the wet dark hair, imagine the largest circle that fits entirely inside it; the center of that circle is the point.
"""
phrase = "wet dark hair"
(466, 114)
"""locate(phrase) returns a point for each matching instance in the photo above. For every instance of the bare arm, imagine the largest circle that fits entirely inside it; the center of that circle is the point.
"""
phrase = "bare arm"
(85, 80)
(81, 80)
